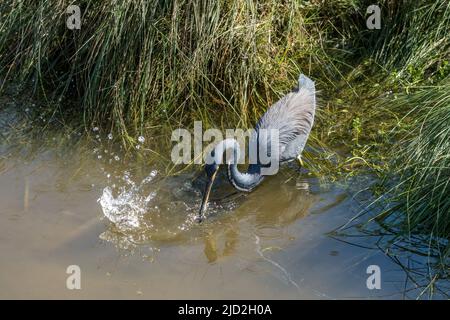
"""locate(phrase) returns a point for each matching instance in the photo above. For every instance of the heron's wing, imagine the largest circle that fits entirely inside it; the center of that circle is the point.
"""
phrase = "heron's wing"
(293, 117)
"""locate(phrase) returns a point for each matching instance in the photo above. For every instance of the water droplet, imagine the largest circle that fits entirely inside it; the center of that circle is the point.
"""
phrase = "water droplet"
(95, 129)
(110, 136)
(116, 158)
(141, 139)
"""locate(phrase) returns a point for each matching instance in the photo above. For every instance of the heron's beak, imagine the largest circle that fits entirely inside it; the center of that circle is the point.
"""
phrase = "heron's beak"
(205, 199)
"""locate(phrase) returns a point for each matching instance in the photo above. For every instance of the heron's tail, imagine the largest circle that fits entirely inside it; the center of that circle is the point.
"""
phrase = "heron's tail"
(307, 83)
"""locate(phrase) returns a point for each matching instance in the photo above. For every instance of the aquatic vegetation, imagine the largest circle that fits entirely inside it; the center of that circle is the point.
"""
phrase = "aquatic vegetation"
(416, 185)
(419, 201)
(135, 64)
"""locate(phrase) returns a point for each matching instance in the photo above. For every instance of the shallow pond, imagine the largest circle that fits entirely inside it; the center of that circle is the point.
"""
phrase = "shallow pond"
(131, 230)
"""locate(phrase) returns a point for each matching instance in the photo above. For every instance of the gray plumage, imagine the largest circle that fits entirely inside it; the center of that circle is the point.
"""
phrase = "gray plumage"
(292, 116)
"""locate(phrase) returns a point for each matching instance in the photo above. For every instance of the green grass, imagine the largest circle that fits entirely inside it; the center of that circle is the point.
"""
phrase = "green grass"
(415, 51)
(137, 64)
(419, 202)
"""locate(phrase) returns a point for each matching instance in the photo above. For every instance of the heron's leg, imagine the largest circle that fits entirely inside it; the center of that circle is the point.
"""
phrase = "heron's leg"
(299, 158)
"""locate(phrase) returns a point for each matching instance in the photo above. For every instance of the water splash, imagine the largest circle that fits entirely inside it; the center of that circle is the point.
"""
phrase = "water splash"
(127, 209)
(162, 209)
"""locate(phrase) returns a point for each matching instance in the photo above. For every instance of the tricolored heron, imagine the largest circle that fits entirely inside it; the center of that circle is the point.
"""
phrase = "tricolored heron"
(292, 116)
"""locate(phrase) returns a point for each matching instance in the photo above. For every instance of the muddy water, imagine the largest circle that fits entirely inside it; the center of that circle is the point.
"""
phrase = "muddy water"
(131, 230)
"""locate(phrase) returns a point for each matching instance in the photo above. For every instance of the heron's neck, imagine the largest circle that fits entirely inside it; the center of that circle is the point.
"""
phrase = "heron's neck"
(243, 181)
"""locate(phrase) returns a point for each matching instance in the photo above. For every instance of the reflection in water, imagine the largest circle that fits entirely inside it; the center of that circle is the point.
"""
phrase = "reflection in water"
(230, 244)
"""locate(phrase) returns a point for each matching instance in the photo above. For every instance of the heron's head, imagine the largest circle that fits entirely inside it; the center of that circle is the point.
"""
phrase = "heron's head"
(211, 173)
(211, 170)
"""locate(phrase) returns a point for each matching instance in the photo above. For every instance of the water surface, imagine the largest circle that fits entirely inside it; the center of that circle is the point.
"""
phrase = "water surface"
(131, 230)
